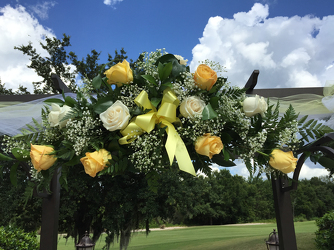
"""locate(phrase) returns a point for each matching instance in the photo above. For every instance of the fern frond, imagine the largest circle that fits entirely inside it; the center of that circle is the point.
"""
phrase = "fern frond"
(37, 125)
(312, 129)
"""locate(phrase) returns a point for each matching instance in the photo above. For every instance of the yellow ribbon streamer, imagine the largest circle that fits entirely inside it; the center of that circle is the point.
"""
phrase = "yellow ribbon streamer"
(165, 116)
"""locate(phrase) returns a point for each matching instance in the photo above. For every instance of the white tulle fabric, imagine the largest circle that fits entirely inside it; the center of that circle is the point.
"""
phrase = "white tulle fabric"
(13, 118)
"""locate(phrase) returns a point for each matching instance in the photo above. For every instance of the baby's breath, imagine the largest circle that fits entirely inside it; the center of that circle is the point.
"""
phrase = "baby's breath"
(129, 93)
(148, 151)
(214, 66)
(81, 132)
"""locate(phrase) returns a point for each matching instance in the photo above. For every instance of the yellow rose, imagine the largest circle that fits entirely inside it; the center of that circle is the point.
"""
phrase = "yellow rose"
(205, 77)
(95, 162)
(208, 145)
(41, 158)
(119, 74)
(283, 161)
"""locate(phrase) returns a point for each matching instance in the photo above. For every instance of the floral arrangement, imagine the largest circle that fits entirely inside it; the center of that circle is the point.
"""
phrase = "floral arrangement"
(157, 115)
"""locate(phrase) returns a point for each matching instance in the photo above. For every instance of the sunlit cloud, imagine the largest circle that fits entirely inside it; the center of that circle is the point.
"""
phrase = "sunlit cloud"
(289, 51)
(112, 3)
(18, 27)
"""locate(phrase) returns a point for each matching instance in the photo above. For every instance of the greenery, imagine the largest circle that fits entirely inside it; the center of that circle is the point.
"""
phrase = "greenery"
(236, 237)
(14, 209)
(12, 238)
(313, 198)
(325, 233)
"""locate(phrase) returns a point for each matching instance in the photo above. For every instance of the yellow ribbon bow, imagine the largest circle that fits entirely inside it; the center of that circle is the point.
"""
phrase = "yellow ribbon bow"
(165, 116)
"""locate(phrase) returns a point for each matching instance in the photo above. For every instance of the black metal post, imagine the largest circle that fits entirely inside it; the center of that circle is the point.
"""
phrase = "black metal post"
(50, 215)
(284, 215)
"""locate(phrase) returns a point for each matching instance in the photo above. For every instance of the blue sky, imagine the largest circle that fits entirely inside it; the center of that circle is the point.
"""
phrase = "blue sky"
(289, 41)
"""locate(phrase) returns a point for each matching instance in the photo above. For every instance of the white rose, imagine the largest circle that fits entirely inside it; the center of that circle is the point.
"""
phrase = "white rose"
(255, 105)
(181, 60)
(57, 114)
(192, 106)
(117, 116)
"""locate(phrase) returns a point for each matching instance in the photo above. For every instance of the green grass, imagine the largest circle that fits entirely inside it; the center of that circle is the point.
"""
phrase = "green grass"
(251, 237)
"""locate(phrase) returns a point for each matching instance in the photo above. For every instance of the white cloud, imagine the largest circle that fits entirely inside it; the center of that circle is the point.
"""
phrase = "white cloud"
(310, 170)
(111, 3)
(18, 27)
(257, 14)
(41, 9)
(288, 51)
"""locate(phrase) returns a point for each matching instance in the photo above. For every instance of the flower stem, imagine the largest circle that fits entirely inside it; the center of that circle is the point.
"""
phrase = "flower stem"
(262, 153)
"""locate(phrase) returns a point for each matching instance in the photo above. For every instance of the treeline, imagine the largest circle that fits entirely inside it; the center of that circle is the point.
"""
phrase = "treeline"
(223, 198)
(220, 198)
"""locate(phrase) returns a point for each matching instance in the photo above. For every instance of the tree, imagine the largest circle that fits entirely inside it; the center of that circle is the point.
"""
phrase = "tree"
(119, 58)
(313, 198)
(21, 90)
(88, 67)
(13, 209)
(259, 201)
(56, 62)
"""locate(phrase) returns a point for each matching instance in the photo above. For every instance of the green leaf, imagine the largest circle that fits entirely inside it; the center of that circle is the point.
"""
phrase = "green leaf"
(31, 128)
(13, 174)
(208, 112)
(113, 146)
(150, 79)
(165, 58)
(214, 102)
(155, 101)
(5, 158)
(226, 155)
(39, 126)
(226, 137)
(258, 123)
(303, 119)
(74, 161)
(97, 82)
(69, 101)
(166, 85)
(326, 162)
(17, 154)
(308, 123)
(165, 71)
(102, 104)
(178, 68)
(54, 100)
(220, 160)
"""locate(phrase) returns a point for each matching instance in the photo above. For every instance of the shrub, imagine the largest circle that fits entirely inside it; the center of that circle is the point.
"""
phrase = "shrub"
(325, 234)
(12, 238)
(300, 218)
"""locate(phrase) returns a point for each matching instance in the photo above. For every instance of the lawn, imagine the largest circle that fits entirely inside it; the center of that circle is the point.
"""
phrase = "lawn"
(251, 237)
